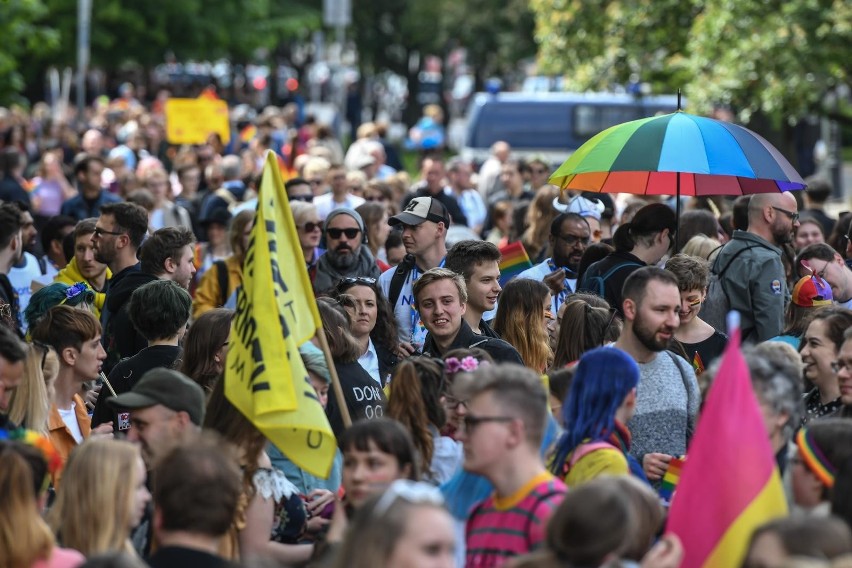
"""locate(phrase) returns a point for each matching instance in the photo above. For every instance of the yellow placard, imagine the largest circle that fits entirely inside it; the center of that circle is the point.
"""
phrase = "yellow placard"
(192, 121)
(276, 312)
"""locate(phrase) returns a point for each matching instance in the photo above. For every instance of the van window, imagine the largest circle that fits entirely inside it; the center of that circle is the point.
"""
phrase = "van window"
(527, 125)
(591, 119)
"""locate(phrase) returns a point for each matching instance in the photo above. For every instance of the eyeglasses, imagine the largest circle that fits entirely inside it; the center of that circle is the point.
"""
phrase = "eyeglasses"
(841, 365)
(336, 233)
(101, 232)
(790, 215)
(470, 421)
(310, 227)
(453, 403)
(306, 198)
(572, 240)
(415, 492)
(538, 171)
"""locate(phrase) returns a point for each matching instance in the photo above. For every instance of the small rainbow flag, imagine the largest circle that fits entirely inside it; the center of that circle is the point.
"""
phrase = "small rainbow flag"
(248, 133)
(697, 364)
(515, 260)
(670, 479)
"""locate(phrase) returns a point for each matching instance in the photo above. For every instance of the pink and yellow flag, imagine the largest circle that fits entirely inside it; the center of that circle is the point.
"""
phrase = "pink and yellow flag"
(730, 484)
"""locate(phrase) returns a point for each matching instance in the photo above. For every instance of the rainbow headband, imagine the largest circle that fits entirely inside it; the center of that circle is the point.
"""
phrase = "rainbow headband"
(814, 459)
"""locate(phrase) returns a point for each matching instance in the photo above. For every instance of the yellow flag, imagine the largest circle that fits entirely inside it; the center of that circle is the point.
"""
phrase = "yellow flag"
(276, 312)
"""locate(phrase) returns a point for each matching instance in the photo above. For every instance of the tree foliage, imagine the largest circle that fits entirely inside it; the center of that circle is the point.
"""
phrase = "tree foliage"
(777, 57)
(22, 36)
(38, 34)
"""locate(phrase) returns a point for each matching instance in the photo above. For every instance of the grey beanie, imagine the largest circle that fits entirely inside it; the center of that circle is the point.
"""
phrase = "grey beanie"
(344, 211)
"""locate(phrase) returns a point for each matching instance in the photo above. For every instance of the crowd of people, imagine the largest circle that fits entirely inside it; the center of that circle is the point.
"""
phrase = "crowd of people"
(524, 421)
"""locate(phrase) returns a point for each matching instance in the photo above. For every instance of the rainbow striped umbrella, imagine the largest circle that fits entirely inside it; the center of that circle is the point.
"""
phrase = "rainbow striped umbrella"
(677, 154)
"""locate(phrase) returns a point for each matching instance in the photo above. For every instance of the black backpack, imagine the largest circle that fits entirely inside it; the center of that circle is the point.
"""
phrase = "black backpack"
(597, 284)
(398, 278)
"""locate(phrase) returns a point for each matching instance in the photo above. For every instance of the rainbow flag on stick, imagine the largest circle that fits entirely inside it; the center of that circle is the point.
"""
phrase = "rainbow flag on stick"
(515, 260)
(671, 478)
(730, 484)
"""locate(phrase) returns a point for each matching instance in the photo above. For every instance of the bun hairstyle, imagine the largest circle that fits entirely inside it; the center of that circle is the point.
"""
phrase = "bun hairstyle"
(648, 221)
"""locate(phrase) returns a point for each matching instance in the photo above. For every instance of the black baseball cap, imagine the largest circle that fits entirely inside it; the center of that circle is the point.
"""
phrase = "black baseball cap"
(422, 209)
(170, 388)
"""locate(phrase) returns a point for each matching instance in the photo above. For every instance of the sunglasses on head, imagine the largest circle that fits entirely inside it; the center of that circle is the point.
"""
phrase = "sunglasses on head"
(335, 233)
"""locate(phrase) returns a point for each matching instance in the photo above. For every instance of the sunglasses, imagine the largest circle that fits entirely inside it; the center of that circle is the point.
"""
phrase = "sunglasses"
(101, 232)
(352, 280)
(335, 233)
(373, 198)
(306, 198)
(310, 227)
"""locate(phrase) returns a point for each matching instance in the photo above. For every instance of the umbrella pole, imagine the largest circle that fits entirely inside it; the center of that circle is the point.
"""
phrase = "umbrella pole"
(677, 214)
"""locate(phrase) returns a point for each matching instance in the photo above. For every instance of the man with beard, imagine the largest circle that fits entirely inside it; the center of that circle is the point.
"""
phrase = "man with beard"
(166, 255)
(11, 246)
(569, 236)
(668, 397)
(749, 268)
(119, 233)
(345, 255)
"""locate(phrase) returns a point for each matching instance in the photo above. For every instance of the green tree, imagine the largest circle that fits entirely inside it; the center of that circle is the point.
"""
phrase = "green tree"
(598, 44)
(774, 57)
(777, 57)
(22, 35)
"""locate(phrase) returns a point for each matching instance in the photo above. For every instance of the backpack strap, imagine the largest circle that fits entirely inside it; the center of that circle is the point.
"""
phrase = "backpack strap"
(222, 275)
(585, 449)
(399, 277)
(606, 275)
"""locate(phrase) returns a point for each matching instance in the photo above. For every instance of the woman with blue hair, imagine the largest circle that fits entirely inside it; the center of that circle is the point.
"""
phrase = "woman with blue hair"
(57, 294)
(601, 401)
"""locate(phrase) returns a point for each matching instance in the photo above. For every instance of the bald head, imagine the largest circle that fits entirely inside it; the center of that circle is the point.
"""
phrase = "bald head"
(773, 216)
(500, 150)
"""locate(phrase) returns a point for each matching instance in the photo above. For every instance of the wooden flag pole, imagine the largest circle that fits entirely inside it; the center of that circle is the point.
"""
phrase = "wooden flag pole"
(335, 380)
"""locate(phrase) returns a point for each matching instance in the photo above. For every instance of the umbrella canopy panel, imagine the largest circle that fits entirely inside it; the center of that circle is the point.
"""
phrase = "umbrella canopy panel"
(647, 156)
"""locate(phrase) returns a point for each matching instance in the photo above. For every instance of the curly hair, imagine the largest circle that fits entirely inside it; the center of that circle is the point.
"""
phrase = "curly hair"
(520, 321)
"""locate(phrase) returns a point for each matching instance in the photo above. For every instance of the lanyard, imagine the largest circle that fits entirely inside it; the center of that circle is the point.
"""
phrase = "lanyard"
(566, 286)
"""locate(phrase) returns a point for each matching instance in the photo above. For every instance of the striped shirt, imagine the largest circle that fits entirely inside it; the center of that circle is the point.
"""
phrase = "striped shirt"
(501, 528)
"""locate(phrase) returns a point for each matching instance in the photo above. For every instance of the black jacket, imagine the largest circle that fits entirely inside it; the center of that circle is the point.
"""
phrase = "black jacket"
(387, 362)
(120, 338)
(126, 373)
(501, 351)
(364, 397)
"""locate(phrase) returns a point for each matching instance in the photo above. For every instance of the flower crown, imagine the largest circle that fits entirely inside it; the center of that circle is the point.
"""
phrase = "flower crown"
(452, 365)
(73, 291)
(38, 441)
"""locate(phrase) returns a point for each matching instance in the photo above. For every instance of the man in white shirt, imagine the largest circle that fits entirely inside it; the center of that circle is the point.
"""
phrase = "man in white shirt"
(424, 232)
(339, 197)
(569, 236)
(469, 199)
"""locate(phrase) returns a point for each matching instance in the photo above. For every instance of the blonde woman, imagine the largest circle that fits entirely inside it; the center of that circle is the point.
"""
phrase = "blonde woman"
(523, 320)
(102, 497)
(30, 403)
